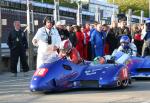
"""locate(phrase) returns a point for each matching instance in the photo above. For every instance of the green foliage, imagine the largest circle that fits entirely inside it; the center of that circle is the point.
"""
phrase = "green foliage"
(135, 5)
(46, 1)
(68, 4)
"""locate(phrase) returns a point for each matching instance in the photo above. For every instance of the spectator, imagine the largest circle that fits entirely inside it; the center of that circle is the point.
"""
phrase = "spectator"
(18, 45)
(111, 38)
(123, 29)
(46, 38)
(106, 29)
(64, 34)
(145, 35)
(147, 49)
(80, 40)
(137, 38)
(97, 41)
(72, 36)
(84, 43)
(88, 47)
(93, 28)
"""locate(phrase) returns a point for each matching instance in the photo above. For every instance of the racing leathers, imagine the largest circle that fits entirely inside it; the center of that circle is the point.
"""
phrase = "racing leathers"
(73, 56)
(132, 49)
(119, 55)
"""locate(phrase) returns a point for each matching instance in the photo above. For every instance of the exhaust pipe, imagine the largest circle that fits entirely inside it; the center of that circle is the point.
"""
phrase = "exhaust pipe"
(118, 83)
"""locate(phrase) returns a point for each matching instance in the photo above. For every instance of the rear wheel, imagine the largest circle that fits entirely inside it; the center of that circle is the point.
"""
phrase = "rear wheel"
(125, 83)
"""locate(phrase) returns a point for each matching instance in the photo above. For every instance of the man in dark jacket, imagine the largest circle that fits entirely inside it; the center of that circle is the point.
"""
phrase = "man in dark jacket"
(18, 45)
(123, 29)
(72, 36)
(64, 34)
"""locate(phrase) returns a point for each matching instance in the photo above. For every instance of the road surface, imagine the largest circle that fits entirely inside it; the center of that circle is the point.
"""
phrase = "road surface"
(16, 90)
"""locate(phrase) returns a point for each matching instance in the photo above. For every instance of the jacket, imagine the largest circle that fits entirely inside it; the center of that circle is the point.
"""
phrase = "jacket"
(17, 39)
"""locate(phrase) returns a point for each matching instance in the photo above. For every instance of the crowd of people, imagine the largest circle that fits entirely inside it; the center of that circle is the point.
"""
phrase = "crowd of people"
(85, 42)
(93, 40)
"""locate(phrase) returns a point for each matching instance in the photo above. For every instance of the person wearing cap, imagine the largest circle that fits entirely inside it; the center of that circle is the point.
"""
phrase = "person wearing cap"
(47, 39)
(64, 34)
(145, 35)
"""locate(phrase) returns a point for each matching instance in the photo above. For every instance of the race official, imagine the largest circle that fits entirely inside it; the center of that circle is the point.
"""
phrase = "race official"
(18, 45)
(47, 39)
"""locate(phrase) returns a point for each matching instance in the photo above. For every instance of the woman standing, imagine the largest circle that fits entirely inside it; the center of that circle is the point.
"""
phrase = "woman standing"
(80, 40)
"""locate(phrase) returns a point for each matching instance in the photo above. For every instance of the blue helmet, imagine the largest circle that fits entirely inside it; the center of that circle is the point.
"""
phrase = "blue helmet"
(125, 39)
(125, 42)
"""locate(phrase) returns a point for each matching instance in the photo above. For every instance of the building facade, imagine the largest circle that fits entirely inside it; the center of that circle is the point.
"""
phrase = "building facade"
(107, 9)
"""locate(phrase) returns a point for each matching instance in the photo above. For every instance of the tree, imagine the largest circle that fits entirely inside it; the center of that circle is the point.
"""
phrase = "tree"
(135, 5)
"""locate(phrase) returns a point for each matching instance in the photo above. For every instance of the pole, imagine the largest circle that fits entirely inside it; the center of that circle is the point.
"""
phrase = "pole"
(29, 33)
(56, 10)
(97, 14)
(32, 20)
(113, 7)
(0, 33)
(113, 17)
(79, 13)
(149, 8)
(142, 15)
(129, 17)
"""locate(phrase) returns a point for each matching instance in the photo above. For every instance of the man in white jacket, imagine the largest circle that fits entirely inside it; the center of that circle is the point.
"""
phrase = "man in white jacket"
(47, 39)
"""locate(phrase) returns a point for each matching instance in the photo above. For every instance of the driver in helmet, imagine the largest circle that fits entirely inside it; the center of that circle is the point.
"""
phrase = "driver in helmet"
(66, 50)
(126, 46)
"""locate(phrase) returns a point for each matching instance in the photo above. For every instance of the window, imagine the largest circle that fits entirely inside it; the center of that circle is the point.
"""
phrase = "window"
(23, 7)
(50, 11)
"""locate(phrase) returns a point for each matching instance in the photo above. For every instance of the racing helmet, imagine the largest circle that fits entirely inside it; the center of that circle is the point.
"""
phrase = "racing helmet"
(65, 46)
(124, 41)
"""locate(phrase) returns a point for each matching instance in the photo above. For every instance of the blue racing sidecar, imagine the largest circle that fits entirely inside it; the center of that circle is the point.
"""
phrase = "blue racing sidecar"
(62, 74)
(138, 66)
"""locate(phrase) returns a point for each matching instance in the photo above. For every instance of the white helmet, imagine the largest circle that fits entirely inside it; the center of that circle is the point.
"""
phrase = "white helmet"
(65, 45)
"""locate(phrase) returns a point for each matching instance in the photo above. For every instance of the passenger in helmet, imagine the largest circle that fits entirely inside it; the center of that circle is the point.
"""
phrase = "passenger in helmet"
(126, 46)
(67, 50)
(121, 54)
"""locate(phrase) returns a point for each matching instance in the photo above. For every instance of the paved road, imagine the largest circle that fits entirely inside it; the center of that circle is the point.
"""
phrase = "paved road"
(16, 90)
